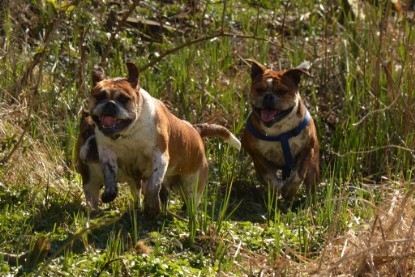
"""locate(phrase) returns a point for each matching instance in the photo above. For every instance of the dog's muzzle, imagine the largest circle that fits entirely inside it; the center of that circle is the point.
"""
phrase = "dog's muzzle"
(269, 100)
(111, 118)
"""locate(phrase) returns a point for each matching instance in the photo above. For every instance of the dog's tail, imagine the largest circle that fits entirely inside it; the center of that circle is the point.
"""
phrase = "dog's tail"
(213, 130)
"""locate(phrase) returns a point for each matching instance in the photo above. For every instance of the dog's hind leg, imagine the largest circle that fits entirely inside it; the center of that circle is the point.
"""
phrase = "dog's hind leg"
(152, 207)
(92, 180)
(298, 175)
(91, 192)
(312, 177)
(193, 185)
(267, 172)
(136, 188)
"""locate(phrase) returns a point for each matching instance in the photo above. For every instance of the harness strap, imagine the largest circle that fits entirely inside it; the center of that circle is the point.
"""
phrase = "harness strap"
(283, 139)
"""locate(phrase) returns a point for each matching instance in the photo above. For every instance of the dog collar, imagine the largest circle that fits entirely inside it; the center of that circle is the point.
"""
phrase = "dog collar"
(118, 136)
(283, 138)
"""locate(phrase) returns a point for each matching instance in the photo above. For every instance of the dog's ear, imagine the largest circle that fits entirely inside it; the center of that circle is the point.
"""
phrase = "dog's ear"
(84, 114)
(257, 69)
(132, 74)
(97, 75)
(295, 74)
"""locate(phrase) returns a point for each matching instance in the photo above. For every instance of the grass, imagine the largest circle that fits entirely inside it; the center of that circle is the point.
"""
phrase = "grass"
(361, 96)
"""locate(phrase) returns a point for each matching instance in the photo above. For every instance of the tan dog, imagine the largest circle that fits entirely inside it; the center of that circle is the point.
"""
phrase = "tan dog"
(137, 134)
(280, 133)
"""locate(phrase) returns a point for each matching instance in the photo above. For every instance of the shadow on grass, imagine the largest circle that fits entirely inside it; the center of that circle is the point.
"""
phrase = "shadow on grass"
(67, 220)
(249, 202)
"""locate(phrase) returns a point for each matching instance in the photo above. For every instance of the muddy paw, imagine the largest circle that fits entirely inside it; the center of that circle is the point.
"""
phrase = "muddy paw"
(109, 194)
(288, 191)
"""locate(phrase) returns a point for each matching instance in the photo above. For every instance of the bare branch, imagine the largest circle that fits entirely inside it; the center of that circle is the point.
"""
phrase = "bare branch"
(198, 40)
(120, 25)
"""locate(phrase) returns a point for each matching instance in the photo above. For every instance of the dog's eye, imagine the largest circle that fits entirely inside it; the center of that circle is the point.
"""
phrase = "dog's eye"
(100, 97)
(123, 100)
(282, 91)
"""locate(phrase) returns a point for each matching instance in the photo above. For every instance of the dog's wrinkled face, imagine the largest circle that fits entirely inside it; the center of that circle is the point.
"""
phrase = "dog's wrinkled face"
(113, 102)
(274, 94)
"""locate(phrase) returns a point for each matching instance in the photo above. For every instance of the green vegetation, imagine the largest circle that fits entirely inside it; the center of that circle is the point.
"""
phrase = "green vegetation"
(362, 97)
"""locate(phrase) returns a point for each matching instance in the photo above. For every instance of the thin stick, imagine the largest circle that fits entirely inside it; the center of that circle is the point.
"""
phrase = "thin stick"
(363, 251)
(120, 25)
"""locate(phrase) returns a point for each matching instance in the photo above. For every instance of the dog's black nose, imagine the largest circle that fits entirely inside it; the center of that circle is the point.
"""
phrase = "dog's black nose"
(269, 99)
(110, 107)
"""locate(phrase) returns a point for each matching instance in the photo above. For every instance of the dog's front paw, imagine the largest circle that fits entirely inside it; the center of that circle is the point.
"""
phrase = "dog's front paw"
(288, 194)
(290, 188)
(164, 199)
(274, 182)
(152, 209)
(109, 194)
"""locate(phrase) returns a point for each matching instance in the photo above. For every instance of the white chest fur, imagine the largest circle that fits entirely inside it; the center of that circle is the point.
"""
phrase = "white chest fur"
(134, 150)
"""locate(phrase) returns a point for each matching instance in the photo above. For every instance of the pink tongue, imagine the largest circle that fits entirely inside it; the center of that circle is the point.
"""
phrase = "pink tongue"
(108, 120)
(268, 115)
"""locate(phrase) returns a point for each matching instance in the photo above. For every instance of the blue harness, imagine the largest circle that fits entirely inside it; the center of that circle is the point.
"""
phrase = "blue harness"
(283, 138)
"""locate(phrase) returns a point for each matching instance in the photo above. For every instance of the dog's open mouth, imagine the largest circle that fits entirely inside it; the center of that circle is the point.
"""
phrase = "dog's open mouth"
(268, 115)
(108, 121)
(111, 125)
(271, 116)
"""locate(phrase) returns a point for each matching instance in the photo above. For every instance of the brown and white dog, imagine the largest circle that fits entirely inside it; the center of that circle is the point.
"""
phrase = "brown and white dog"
(280, 133)
(137, 134)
